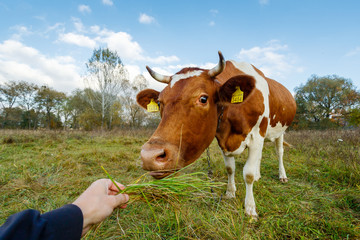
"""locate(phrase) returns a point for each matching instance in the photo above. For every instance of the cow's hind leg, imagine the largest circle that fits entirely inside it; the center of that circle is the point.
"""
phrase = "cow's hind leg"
(250, 173)
(279, 145)
(230, 168)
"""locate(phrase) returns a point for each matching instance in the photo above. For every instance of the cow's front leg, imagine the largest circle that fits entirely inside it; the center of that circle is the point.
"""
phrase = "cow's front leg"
(230, 169)
(250, 173)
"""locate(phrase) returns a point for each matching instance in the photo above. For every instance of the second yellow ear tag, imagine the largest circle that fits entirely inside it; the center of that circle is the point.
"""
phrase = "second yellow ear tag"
(152, 106)
(237, 96)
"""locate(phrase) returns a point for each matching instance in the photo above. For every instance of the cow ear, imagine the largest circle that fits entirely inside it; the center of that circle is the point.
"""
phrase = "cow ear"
(144, 97)
(245, 82)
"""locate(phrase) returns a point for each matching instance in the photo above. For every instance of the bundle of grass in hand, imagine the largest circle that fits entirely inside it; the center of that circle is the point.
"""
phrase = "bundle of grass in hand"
(172, 188)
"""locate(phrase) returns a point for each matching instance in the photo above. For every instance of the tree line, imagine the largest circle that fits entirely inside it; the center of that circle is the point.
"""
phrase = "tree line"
(108, 101)
(327, 102)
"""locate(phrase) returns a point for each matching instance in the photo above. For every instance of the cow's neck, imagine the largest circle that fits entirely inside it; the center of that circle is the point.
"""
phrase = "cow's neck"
(220, 116)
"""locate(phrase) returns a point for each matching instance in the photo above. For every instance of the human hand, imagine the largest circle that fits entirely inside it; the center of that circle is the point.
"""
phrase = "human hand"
(99, 201)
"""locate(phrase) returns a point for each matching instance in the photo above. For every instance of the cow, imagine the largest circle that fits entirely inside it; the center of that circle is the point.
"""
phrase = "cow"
(195, 107)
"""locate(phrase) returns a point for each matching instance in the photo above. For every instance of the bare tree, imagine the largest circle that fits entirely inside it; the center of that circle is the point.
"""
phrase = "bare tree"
(132, 112)
(106, 75)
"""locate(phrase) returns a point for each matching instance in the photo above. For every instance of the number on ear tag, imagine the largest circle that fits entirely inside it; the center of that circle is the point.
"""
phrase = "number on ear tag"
(237, 96)
(152, 106)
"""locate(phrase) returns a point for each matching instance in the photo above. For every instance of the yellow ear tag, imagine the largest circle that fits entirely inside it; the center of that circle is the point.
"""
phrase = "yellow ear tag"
(237, 96)
(152, 106)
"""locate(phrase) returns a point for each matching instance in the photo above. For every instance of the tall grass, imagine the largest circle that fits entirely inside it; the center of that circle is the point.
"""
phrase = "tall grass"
(45, 170)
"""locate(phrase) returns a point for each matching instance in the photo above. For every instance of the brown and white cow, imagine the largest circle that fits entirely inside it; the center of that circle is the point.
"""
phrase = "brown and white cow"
(195, 107)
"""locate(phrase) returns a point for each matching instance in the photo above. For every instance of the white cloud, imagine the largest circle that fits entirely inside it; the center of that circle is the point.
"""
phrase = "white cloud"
(20, 32)
(55, 27)
(162, 59)
(274, 59)
(95, 29)
(146, 19)
(77, 39)
(79, 26)
(20, 62)
(264, 2)
(214, 12)
(84, 9)
(353, 52)
(123, 43)
(133, 71)
(130, 51)
(107, 2)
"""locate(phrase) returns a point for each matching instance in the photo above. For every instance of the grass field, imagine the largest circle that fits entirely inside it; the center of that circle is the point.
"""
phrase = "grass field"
(45, 170)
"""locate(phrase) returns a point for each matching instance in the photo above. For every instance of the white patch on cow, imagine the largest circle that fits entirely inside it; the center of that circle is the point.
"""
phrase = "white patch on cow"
(178, 77)
(274, 132)
(274, 116)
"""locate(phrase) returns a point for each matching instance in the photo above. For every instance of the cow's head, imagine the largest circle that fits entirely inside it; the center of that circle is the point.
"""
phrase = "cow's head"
(189, 115)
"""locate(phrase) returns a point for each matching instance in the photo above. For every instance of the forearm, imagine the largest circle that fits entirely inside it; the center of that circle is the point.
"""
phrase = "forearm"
(63, 223)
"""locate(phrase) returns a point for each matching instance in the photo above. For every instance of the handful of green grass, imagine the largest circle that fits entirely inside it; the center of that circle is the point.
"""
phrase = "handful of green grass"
(173, 188)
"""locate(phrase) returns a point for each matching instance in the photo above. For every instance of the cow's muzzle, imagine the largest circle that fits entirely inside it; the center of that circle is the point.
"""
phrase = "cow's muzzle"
(161, 159)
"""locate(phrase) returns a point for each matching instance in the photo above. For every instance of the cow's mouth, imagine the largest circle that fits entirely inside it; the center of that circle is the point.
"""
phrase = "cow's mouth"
(162, 174)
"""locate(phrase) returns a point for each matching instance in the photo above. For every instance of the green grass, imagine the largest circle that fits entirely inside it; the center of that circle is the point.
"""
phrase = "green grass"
(45, 170)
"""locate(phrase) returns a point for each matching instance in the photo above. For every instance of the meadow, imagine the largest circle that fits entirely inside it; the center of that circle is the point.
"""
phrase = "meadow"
(47, 169)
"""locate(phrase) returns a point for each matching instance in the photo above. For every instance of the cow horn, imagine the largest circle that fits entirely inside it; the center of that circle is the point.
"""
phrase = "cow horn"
(218, 68)
(158, 77)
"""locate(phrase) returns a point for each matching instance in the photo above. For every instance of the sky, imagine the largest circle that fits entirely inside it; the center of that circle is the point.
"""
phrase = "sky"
(49, 42)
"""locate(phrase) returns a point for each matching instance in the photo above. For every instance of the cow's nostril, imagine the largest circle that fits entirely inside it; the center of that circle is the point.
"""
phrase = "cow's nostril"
(161, 157)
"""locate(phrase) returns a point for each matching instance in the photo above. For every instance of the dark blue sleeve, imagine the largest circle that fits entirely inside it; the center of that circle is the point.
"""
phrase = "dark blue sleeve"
(63, 223)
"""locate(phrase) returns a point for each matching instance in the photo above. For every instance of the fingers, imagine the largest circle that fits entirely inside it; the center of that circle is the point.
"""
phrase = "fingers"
(122, 187)
(123, 206)
(113, 190)
(116, 198)
(120, 200)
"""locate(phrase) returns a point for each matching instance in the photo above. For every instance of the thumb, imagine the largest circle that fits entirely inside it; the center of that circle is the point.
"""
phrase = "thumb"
(120, 199)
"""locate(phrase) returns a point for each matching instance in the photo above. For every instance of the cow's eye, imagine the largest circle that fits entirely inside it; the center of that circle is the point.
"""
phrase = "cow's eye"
(203, 99)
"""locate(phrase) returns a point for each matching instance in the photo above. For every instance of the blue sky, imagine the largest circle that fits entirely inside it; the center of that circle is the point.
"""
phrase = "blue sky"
(49, 42)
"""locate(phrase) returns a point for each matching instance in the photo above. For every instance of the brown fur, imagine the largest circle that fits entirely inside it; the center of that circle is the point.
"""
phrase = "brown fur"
(263, 126)
(249, 178)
